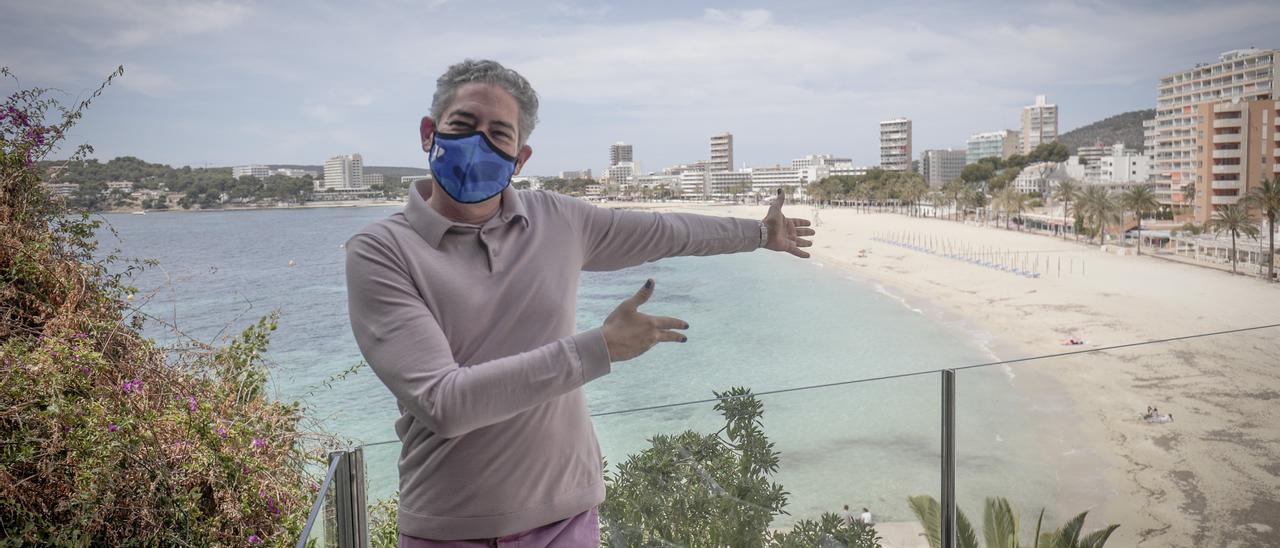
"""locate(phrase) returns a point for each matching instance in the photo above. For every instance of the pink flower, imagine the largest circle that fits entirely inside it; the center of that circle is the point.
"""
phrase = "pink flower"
(191, 403)
(112, 427)
(255, 539)
(222, 432)
(259, 442)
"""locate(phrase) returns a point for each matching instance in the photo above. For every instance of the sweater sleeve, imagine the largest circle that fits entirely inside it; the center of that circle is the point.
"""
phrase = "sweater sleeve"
(618, 238)
(406, 348)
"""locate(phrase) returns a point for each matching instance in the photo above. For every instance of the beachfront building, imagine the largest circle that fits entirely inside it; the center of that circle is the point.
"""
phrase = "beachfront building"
(124, 186)
(941, 166)
(576, 174)
(1039, 124)
(298, 173)
(408, 180)
(818, 160)
(620, 152)
(1240, 150)
(724, 184)
(1040, 177)
(695, 184)
(765, 181)
(342, 172)
(993, 144)
(1090, 156)
(62, 189)
(657, 185)
(721, 152)
(1122, 166)
(895, 144)
(256, 170)
(1185, 112)
(1251, 254)
(622, 177)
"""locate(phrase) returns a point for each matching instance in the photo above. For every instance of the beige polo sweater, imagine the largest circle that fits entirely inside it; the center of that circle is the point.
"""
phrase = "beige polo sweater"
(471, 328)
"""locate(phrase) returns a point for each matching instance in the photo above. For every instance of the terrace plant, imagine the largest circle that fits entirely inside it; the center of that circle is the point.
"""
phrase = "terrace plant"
(106, 438)
(1000, 527)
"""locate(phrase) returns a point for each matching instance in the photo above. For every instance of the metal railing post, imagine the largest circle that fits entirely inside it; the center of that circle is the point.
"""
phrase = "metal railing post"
(948, 510)
(349, 524)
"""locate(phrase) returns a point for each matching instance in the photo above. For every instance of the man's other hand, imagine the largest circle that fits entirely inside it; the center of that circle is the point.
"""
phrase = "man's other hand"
(629, 333)
(785, 234)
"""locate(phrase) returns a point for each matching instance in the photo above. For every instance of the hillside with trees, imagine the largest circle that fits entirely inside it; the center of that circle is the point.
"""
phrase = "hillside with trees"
(1126, 128)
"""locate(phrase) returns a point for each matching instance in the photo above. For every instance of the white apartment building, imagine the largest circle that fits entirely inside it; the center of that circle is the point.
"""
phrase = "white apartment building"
(126, 186)
(1036, 178)
(259, 171)
(992, 144)
(62, 189)
(371, 179)
(766, 181)
(576, 174)
(620, 152)
(299, 173)
(721, 153)
(818, 160)
(895, 144)
(940, 167)
(1039, 124)
(695, 184)
(343, 172)
(1123, 166)
(623, 173)
(1184, 100)
(408, 180)
(722, 183)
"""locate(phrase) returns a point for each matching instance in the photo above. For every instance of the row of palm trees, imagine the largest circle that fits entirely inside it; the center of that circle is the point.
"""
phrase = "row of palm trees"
(1094, 207)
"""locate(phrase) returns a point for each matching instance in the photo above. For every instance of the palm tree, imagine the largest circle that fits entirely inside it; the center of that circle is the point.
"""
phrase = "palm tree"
(955, 192)
(1140, 200)
(1099, 208)
(1233, 219)
(1189, 195)
(1012, 202)
(1000, 527)
(1066, 193)
(1266, 196)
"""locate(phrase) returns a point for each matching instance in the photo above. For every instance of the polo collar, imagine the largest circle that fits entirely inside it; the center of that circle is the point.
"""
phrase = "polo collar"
(431, 225)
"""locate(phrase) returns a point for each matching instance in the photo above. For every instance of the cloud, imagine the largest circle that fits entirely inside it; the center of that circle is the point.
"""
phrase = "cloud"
(147, 81)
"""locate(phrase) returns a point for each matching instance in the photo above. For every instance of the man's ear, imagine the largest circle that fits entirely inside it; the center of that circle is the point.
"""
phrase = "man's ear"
(427, 129)
(522, 157)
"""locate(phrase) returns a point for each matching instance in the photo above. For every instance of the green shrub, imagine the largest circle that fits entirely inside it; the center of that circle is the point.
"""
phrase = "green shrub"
(106, 438)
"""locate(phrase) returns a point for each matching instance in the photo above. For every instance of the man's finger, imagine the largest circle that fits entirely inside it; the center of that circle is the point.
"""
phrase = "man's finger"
(799, 222)
(663, 322)
(671, 336)
(805, 232)
(777, 202)
(801, 242)
(641, 296)
(797, 252)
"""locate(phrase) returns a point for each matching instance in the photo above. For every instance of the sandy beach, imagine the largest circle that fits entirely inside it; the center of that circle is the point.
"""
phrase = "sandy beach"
(1209, 478)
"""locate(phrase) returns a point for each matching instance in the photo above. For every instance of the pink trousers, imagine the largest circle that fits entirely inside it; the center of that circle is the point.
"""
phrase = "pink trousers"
(582, 530)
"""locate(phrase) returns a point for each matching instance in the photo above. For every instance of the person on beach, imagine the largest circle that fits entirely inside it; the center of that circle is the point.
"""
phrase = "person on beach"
(846, 516)
(866, 517)
(463, 305)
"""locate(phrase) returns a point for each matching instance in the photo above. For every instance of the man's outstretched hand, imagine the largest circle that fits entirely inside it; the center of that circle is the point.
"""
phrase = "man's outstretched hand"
(785, 234)
(629, 333)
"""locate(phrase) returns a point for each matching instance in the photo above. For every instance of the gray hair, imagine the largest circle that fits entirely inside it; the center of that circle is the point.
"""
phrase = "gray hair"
(489, 72)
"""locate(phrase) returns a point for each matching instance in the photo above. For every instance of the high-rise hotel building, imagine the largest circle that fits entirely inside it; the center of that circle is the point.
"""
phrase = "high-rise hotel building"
(895, 145)
(721, 153)
(343, 172)
(1039, 125)
(620, 152)
(1215, 129)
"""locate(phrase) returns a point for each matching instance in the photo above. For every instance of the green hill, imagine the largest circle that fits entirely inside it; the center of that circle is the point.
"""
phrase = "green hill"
(1126, 128)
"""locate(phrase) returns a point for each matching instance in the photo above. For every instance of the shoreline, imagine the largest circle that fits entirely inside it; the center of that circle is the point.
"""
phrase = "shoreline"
(1208, 479)
(308, 205)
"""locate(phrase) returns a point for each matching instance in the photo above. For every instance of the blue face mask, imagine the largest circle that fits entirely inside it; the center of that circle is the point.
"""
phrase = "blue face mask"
(468, 167)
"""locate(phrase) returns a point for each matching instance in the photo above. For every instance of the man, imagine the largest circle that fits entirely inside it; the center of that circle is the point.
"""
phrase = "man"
(463, 305)
(846, 517)
(866, 517)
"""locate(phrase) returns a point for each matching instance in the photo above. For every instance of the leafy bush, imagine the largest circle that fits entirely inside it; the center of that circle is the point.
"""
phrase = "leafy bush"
(106, 438)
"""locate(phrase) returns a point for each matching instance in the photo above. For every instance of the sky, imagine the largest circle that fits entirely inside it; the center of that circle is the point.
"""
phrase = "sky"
(280, 82)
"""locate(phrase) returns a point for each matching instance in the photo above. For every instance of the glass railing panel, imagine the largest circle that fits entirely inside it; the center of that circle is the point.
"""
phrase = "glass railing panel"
(319, 528)
(867, 445)
(1074, 433)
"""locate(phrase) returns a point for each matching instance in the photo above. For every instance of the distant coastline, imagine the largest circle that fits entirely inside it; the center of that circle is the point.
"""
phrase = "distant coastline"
(308, 205)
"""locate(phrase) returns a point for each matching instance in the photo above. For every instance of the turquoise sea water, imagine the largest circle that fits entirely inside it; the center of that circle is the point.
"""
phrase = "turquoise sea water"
(761, 320)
